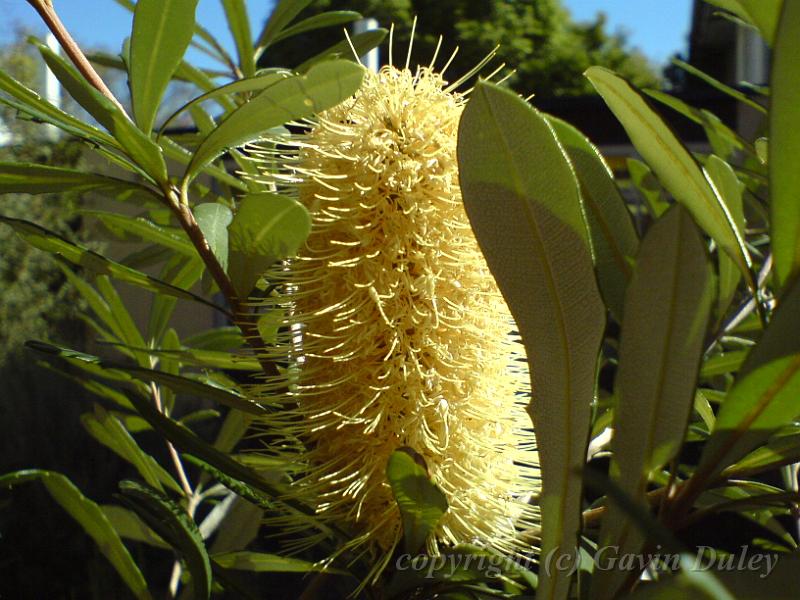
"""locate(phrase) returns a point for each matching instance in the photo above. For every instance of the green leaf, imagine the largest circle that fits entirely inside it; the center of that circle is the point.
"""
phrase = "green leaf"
(110, 432)
(26, 178)
(162, 30)
(176, 152)
(611, 230)
(41, 238)
(673, 164)
(144, 230)
(180, 273)
(721, 364)
(171, 521)
(266, 228)
(258, 562)
(784, 147)
(736, 94)
(667, 307)
(250, 84)
(213, 219)
(29, 103)
(283, 14)
(649, 187)
(764, 396)
(296, 97)
(527, 219)
(326, 19)
(128, 525)
(239, 26)
(219, 339)
(422, 505)
(91, 518)
(362, 42)
(762, 14)
(782, 449)
(137, 145)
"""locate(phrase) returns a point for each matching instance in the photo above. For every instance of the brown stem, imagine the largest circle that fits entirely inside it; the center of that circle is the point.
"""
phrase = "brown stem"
(50, 17)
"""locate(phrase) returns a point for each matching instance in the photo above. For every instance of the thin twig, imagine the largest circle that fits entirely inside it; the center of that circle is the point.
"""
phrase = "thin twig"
(50, 17)
(176, 459)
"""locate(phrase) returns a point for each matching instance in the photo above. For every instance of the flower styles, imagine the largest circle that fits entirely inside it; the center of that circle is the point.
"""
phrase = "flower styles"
(400, 336)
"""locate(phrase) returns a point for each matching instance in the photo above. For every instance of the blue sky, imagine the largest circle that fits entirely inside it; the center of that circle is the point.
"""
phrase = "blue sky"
(657, 27)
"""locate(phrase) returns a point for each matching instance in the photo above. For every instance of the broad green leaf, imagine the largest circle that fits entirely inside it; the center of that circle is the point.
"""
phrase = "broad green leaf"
(171, 521)
(137, 145)
(213, 219)
(29, 103)
(649, 187)
(324, 86)
(673, 164)
(48, 241)
(89, 516)
(110, 432)
(26, 178)
(784, 146)
(258, 562)
(176, 152)
(362, 42)
(326, 19)
(123, 322)
(266, 228)
(764, 396)
(219, 339)
(283, 14)
(239, 26)
(422, 505)
(736, 94)
(762, 14)
(611, 230)
(667, 307)
(128, 525)
(144, 230)
(162, 30)
(250, 84)
(527, 219)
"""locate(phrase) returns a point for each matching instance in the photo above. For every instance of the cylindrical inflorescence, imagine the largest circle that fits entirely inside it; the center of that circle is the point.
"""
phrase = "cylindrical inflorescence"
(396, 333)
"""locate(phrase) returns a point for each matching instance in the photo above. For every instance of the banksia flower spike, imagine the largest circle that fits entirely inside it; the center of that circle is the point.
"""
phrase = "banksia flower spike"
(394, 329)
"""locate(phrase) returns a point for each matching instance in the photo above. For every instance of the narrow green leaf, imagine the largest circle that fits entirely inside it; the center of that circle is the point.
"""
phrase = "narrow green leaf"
(128, 525)
(324, 86)
(178, 153)
(48, 241)
(110, 432)
(672, 163)
(764, 396)
(250, 84)
(648, 186)
(529, 225)
(362, 42)
(283, 14)
(91, 518)
(181, 273)
(144, 230)
(258, 562)
(725, 89)
(240, 527)
(213, 219)
(326, 19)
(762, 14)
(422, 505)
(239, 26)
(611, 230)
(29, 103)
(782, 449)
(667, 307)
(171, 521)
(26, 178)
(784, 146)
(721, 364)
(162, 30)
(137, 145)
(219, 339)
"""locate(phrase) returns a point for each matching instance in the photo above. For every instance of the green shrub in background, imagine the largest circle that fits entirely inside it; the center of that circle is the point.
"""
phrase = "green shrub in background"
(684, 446)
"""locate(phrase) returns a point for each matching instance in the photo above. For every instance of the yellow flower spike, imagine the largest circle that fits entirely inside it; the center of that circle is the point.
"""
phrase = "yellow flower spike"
(401, 336)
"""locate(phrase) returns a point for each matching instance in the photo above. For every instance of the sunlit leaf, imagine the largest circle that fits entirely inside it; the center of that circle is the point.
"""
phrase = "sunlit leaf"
(213, 219)
(239, 26)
